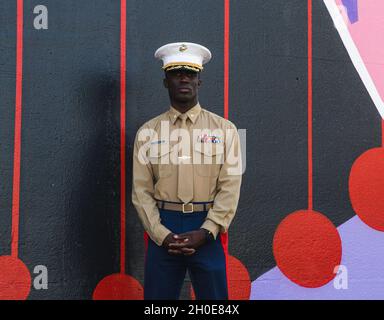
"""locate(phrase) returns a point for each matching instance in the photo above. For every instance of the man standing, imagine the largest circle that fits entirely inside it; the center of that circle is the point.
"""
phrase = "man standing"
(186, 183)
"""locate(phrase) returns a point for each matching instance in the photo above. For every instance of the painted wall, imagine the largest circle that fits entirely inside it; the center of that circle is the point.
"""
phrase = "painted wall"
(311, 196)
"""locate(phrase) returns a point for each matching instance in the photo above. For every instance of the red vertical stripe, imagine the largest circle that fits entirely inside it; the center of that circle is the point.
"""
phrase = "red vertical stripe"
(17, 141)
(146, 239)
(226, 58)
(224, 243)
(310, 169)
(123, 24)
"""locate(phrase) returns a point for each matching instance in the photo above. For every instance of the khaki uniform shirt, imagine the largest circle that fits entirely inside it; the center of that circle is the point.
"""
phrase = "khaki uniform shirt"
(214, 179)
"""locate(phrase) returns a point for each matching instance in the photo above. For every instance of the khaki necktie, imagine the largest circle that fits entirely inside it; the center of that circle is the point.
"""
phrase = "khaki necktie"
(185, 172)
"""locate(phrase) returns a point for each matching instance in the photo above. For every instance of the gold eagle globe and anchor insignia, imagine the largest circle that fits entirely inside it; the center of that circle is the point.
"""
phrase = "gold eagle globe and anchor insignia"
(183, 48)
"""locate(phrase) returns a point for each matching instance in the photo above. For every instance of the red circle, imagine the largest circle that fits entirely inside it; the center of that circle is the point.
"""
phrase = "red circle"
(118, 286)
(15, 279)
(366, 188)
(239, 281)
(307, 248)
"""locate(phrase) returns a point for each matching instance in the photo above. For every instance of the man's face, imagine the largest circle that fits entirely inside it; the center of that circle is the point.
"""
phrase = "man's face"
(182, 84)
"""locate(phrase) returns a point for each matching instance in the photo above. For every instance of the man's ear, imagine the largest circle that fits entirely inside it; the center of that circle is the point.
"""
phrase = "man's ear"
(165, 82)
(199, 82)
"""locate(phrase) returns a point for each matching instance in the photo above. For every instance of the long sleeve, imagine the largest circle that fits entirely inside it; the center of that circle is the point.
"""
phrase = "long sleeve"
(220, 216)
(143, 195)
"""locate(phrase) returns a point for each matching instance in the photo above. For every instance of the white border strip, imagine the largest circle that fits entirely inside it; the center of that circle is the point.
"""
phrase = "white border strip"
(354, 54)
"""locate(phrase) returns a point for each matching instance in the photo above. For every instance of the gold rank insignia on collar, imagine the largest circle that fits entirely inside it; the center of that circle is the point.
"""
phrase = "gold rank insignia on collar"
(192, 113)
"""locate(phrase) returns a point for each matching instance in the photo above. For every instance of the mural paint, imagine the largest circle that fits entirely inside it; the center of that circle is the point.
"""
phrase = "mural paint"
(15, 279)
(360, 26)
(121, 286)
(361, 31)
(81, 93)
(362, 36)
(238, 280)
(306, 245)
(363, 40)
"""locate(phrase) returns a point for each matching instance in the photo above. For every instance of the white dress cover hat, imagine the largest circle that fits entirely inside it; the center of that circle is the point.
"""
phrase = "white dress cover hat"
(185, 55)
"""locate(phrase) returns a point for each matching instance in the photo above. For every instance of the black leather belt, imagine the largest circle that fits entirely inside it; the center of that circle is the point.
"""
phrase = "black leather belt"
(184, 207)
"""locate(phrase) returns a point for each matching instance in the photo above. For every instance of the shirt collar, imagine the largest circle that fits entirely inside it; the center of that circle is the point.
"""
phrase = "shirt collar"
(192, 113)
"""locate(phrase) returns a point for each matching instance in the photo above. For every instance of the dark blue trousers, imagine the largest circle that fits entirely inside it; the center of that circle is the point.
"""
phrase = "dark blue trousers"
(164, 273)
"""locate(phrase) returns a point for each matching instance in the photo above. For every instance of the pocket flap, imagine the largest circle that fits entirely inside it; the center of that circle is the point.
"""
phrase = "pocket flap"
(156, 151)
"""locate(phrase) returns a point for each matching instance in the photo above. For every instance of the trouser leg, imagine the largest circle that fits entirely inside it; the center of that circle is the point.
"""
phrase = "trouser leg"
(164, 274)
(207, 266)
(207, 270)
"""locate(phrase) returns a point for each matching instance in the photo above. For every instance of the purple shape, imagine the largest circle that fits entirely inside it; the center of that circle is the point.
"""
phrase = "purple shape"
(352, 10)
(363, 249)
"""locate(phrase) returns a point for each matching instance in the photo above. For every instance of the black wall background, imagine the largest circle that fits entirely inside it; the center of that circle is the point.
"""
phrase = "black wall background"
(70, 194)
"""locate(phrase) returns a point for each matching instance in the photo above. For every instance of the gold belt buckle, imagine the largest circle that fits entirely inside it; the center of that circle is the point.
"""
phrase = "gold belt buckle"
(187, 211)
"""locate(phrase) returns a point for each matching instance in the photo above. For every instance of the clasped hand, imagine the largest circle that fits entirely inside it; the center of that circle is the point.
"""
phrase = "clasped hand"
(184, 243)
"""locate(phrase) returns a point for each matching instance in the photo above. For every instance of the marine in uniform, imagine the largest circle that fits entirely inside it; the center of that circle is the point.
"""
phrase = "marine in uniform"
(186, 183)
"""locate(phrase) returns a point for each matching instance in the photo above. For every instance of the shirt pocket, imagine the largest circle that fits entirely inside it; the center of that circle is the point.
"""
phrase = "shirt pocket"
(209, 159)
(160, 158)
